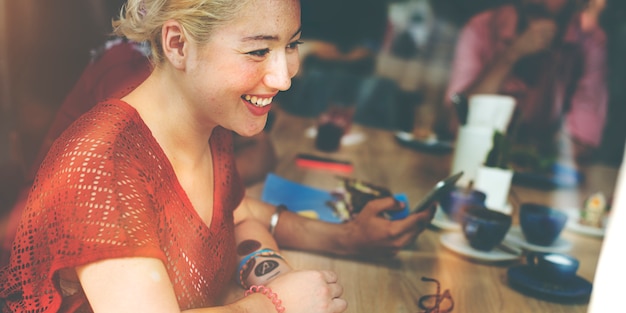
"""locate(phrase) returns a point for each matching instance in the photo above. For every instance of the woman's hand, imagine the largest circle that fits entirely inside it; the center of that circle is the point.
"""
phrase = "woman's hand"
(537, 37)
(370, 233)
(309, 292)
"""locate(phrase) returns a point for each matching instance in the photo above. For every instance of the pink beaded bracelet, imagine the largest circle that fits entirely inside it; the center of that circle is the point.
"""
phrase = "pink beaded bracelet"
(268, 292)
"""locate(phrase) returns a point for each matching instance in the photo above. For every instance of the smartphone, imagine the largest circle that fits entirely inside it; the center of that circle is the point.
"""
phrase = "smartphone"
(439, 190)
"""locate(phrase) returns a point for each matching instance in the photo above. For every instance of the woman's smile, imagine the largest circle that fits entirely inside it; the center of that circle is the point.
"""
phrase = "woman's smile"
(258, 105)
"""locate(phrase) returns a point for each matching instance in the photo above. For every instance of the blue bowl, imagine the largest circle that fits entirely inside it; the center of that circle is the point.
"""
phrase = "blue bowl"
(541, 225)
(483, 228)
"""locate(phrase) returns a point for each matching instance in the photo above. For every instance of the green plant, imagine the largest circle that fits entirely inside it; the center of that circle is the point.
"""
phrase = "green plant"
(529, 158)
(500, 151)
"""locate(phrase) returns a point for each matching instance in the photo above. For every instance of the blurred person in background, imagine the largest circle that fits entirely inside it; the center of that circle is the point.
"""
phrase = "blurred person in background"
(416, 54)
(340, 42)
(613, 20)
(543, 53)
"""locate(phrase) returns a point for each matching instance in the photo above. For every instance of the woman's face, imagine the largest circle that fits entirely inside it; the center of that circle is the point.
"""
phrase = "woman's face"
(232, 79)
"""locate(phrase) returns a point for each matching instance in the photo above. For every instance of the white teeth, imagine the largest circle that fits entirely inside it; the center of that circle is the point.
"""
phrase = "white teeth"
(258, 101)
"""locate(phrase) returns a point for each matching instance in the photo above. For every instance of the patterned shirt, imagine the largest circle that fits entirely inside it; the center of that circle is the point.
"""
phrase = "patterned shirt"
(107, 190)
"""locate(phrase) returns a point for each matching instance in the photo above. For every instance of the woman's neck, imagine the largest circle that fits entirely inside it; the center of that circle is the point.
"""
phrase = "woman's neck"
(181, 133)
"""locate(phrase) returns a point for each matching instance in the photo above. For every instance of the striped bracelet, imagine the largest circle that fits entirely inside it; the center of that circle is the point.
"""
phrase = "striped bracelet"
(243, 265)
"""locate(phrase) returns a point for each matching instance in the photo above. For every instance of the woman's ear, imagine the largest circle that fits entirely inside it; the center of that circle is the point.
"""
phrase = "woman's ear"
(174, 43)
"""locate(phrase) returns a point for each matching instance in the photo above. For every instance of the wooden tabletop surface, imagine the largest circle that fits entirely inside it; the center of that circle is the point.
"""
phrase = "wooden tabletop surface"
(395, 285)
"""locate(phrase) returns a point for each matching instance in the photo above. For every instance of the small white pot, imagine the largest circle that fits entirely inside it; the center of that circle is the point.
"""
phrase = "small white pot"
(495, 183)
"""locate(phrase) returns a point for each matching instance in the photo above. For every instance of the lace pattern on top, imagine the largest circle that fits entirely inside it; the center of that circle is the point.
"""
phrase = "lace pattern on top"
(107, 190)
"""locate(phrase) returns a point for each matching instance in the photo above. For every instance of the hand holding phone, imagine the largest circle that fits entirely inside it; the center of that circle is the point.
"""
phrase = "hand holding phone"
(440, 189)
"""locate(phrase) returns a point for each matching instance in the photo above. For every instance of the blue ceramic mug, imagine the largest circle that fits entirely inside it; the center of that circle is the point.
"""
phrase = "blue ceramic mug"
(483, 228)
(458, 199)
(541, 225)
(553, 267)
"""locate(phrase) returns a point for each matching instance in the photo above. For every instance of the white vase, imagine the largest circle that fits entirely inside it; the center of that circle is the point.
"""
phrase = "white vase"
(495, 183)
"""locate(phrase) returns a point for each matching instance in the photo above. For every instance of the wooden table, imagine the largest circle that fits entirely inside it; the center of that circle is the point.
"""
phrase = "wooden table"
(395, 285)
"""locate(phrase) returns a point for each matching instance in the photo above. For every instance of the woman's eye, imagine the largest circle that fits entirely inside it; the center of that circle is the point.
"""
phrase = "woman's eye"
(294, 44)
(259, 53)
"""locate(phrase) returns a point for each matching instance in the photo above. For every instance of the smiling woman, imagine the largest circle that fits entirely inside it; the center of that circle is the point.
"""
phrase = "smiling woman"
(138, 206)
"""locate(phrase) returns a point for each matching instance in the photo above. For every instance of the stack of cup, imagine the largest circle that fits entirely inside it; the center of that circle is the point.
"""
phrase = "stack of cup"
(487, 113)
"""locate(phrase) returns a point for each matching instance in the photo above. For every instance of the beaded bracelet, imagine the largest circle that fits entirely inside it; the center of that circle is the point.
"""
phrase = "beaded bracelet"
(243, 265)
(269, 293)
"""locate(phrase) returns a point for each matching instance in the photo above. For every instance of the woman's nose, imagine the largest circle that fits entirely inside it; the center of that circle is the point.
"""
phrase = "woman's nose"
(280, 72)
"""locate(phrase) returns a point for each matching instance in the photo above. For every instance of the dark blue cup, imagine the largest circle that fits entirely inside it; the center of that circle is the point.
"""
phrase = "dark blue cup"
(553, 267)
(458, 199)
(483, 228)
(541, 225)
(328, 137)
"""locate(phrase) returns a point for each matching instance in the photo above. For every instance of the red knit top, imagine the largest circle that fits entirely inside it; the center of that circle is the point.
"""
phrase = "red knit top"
(107, 190)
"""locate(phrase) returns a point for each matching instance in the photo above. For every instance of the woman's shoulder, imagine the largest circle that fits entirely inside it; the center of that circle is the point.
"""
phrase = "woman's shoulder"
(109, 133)
(108, 150)
(104, 124)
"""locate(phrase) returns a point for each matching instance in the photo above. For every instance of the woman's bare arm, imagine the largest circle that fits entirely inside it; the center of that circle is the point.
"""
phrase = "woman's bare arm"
(140, 284)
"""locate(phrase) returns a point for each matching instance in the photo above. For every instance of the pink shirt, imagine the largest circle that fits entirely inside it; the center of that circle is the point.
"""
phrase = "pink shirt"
(580, 76)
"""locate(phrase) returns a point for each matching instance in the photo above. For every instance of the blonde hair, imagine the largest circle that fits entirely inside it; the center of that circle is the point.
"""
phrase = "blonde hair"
(141, 20)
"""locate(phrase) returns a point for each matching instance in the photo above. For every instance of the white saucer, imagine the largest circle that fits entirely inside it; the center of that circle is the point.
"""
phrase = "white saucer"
(574, 225)
(516, 237)
(442, 221)
(456, 242)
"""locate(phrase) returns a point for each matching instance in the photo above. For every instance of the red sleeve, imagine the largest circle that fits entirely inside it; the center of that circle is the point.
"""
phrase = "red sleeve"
(119, 69)
(91, 200)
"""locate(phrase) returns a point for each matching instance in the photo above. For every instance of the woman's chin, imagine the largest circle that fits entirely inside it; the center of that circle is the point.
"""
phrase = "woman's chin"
(250, 131)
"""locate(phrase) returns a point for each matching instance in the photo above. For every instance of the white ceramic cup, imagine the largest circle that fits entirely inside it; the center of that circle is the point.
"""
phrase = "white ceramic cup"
(490, 110)
(472, 146)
